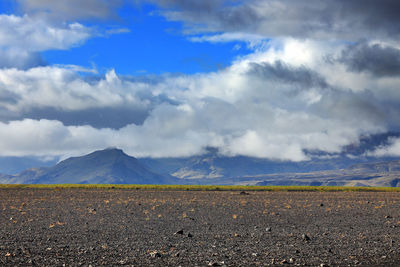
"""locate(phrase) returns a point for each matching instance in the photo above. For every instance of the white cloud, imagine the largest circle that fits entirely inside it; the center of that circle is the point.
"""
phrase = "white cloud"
(273, 103)
(63, 88)
(392, 149)
(34, 34)
(324, 20)
(253, 40)
(22, 38)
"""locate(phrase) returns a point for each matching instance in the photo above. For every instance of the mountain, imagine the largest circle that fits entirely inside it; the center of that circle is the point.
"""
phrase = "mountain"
(385, 166)
(377, 174)
(213, 165)
(14, 165)
(109, 166)
(113, 166)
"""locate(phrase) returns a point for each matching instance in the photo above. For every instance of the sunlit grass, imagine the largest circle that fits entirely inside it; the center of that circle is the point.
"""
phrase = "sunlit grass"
(205, 187)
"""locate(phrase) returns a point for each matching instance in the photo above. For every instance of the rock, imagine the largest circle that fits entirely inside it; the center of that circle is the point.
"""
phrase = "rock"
(305, 237)
(244, 193)
(189, 235)
(291, 260)
(268, 229)
(388, 217)
(284, 262)
(216, 263)
(180, 232)
(155, 254)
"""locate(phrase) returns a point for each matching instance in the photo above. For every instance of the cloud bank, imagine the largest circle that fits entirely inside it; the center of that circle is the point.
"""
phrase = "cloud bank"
(320, 75)
(274, 103)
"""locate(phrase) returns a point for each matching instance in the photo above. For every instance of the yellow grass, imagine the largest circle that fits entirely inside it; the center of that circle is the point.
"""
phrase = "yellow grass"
(205, 187)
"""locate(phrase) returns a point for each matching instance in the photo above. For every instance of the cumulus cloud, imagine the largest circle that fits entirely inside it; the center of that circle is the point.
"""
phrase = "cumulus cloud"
(332, 19)
(33, 34)
(57, 93)
(305, 90)
(392, 149)
(23, 38)
(274, 103)
(377, 59)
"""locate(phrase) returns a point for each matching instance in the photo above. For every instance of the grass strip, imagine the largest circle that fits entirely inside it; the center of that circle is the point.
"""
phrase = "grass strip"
(206, 187)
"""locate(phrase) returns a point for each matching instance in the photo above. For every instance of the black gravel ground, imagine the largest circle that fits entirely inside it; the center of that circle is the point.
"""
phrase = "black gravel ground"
(74, 227)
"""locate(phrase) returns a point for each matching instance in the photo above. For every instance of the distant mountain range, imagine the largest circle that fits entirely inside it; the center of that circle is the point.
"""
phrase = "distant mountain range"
(113, 166)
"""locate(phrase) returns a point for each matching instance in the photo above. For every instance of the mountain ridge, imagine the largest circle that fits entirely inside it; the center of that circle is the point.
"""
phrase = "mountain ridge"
(113, 166)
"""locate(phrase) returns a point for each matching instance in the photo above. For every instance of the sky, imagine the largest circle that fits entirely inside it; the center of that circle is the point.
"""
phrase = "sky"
(169, 78)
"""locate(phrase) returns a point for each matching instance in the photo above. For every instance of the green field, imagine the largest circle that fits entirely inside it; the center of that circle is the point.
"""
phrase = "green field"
(205, 187)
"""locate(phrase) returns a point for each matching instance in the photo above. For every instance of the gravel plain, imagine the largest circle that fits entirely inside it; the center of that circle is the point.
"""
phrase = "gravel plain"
(92, 227)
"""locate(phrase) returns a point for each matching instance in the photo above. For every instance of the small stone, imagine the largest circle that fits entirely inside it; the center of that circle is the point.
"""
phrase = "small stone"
(189, 235)
(306, 237)
(297, 251)
(291, 260)
(254, 254)
(244, 193)
(215, 263)
(180, 232)
(388, 217)
(268, 229)
(284, 262)
(155, 254)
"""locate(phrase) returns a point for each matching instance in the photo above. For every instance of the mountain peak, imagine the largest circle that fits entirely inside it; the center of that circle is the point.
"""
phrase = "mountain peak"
(109, 152)
(110, 165)
(111, 148)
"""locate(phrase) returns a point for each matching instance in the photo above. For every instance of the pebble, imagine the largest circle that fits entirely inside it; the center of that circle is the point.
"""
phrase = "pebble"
(155, 254)
(268, 229)
(180, 232)
(306, 237)
(216, 263)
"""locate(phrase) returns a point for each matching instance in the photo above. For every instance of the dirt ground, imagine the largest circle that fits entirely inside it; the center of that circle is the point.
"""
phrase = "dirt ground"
(74, 227)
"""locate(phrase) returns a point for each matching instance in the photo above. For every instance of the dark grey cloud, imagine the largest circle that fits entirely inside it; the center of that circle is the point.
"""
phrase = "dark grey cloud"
(7, 97)
(281, 72)
(335, 19)
(114, 118)
(376, 59)
(351, 106)
(98, 118)
(71, 9)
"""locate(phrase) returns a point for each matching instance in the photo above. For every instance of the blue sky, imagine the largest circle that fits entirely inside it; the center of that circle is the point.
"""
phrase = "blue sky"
(169, 78)
(148, 44)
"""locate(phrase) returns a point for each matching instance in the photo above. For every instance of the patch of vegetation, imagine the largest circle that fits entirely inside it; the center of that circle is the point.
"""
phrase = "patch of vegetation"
(206, 187)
